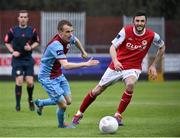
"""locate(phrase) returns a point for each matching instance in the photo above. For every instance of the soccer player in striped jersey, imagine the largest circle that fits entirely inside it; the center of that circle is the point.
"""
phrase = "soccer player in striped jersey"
(51, 76)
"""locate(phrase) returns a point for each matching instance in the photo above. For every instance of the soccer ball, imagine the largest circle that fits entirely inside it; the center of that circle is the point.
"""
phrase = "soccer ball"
(108, 124)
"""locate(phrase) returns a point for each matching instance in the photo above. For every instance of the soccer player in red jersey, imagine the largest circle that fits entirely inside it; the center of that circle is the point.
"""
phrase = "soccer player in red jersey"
(127, 52)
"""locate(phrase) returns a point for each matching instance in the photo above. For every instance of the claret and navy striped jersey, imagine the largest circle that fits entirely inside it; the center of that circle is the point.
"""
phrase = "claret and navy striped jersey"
(56, 50)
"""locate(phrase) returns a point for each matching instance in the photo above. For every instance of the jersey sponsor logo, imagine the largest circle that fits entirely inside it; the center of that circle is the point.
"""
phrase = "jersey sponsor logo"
(60, 52)
(131, 46)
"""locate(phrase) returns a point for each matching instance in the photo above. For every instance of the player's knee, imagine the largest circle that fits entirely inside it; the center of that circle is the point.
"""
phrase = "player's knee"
(69, 102)
(98, 90)
(130, 85)
(19, 82)
(62, 105)
(30, 83)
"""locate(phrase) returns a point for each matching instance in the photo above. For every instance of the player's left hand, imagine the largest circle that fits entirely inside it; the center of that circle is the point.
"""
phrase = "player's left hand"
(118, 66)
(84, 55)
(27, 47)
(92, 62)
(152, 72)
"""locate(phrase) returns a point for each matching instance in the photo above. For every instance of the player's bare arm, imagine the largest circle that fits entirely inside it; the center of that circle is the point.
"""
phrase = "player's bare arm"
(70, 65)
(9, 47)
(117, 65)
(81, 48)
(152, 69)
(11, 50)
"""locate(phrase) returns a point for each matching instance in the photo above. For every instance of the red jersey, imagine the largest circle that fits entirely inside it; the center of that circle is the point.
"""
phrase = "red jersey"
(133, 49)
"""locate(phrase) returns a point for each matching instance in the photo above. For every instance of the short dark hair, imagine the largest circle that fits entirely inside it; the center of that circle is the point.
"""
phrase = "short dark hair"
(140, 13)
(62, 23)
(23, 11)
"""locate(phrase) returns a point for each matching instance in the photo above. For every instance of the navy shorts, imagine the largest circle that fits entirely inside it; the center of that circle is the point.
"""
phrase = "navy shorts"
(22, 67)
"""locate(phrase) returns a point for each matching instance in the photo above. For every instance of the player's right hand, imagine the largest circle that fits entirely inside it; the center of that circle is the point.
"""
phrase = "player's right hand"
(118, 66)
(16, 54)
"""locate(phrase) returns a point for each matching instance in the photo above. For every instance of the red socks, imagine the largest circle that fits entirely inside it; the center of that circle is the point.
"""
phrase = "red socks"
(125, 100)
(87, 101)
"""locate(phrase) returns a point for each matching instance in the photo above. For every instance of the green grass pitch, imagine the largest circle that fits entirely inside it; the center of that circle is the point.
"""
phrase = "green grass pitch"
(153, 112)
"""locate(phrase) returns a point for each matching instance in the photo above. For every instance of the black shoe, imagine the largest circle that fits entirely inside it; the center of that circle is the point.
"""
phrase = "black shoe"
(18, 108)
(38, 108)
(31, 105)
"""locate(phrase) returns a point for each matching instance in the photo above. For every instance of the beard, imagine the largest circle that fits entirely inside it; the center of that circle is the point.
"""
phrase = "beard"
(139, 29)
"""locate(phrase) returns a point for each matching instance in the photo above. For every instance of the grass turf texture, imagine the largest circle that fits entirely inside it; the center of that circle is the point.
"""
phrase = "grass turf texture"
(153, 112)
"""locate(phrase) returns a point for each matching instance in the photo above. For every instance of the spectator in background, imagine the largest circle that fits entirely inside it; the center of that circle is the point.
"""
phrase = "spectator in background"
(21, 40)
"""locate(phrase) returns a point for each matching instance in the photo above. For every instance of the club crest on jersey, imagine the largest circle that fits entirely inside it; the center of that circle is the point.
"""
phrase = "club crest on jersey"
(144, 42)
(23, 35)
(59, 52)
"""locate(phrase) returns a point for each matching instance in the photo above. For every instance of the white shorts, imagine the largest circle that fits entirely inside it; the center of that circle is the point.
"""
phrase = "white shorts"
(111, 76)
